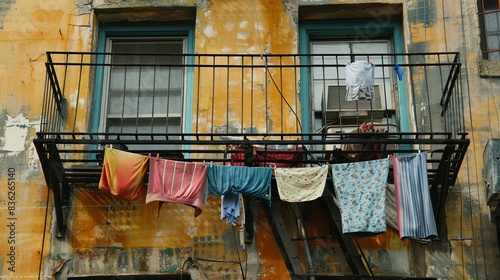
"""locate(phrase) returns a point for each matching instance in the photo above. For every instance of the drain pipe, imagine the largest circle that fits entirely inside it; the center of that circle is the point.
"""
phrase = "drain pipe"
(303, 236)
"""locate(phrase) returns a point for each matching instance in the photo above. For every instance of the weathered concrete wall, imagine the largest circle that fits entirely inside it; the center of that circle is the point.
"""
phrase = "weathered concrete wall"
(110, 236)
(249, 27)
(27, 30)
(472, 252)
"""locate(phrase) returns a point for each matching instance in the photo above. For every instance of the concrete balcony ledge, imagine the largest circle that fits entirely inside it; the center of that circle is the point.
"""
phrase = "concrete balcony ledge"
(489, 68)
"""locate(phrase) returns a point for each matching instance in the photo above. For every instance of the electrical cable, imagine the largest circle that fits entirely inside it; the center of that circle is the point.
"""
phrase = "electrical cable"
(282, 96)
(490, 97)
(44, 230)
(267, 68)
(461, 221)
(364, 258)
(219, 261)
(257, 27)
(243, 273)
(184, 264)
(458, 182)
(46, 215)
(472, 132)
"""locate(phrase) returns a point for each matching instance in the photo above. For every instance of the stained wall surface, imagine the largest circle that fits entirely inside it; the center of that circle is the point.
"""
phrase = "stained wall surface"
(108, 236)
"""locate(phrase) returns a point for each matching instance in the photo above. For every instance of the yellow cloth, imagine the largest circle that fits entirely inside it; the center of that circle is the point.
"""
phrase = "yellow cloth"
(123, 173)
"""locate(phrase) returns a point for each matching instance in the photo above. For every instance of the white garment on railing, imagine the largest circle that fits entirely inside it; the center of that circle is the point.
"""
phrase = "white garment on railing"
(360, 80)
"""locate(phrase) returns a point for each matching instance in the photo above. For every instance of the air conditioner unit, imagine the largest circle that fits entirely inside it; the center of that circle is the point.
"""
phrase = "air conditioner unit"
(336, 100)
(491, 171)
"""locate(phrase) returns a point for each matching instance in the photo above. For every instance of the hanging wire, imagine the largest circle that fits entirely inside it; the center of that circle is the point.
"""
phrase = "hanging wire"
(269, 72)
(364, 258)
(473, 146)
(184, 264)
(44, 229)
(46, 212)
(192, 259)
(243, 273)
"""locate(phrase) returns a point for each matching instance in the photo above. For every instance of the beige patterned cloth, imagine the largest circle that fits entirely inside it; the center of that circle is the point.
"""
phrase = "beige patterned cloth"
(301, 184)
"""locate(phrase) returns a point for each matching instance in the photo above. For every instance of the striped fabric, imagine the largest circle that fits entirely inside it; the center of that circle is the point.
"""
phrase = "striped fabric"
(413, 202)
(177, 182)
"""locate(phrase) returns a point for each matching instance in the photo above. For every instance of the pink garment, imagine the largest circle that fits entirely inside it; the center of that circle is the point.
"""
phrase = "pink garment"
(177, 182)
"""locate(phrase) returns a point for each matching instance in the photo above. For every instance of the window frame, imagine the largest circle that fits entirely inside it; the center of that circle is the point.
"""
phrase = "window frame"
(482, 28)
(105, 32)
(331, 29)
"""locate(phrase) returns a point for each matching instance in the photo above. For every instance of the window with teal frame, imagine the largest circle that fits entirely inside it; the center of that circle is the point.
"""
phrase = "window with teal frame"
(142, 82)
(344, 39)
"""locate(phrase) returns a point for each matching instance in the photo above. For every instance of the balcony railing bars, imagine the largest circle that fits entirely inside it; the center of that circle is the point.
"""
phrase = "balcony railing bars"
(272, 94)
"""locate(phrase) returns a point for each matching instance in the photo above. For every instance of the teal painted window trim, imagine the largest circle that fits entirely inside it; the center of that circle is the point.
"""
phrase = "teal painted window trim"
(141, 31)
(352, 29)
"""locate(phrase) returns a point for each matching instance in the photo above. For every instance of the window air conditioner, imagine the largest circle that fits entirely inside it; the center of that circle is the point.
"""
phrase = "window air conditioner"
(491, 172)
(336, 100)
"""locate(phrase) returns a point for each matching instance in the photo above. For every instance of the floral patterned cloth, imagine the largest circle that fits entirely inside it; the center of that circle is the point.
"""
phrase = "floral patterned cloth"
(301, 184)
(360, 189)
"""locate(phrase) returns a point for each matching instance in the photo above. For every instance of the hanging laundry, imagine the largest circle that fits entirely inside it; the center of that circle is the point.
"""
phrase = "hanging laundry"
(266, 156)
(391, 216)
(231, 207)
(287, 157)
(123, 173)
(399, 71)
(360, 81)
(360, 189)
(301, 184)
(413, 201)
(252, 181)
(242, 155)
(177, 182)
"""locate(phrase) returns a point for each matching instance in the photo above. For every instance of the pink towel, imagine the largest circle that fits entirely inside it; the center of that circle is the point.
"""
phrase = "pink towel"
(177, 182)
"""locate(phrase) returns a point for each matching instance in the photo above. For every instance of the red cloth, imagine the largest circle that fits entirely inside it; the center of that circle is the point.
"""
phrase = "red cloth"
(290, 157)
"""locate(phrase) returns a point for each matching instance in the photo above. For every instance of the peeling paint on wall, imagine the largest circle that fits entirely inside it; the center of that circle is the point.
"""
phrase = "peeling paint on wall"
(15, 136)
(5, 6)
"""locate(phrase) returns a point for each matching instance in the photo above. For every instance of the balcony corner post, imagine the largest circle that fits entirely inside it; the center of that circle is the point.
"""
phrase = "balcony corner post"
(61, 192)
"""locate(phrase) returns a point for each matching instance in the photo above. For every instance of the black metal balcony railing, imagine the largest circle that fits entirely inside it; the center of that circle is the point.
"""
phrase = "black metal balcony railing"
(221, 107)
(431, 85)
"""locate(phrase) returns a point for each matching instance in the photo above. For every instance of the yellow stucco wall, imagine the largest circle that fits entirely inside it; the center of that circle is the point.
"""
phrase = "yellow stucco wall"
(109, 236)
(28, 29)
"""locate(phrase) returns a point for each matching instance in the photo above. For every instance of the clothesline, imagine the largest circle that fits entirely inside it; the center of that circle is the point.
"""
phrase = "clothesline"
(360, 187)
